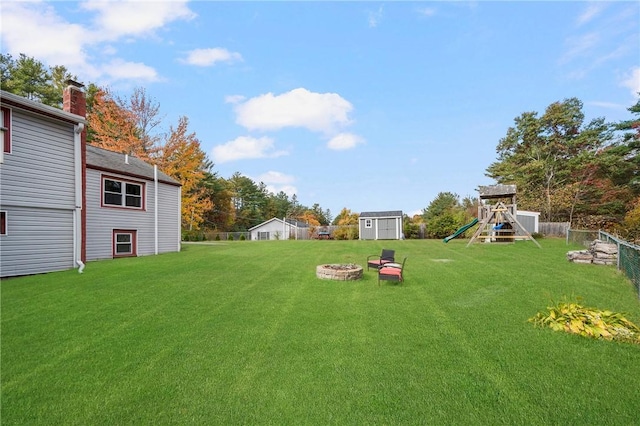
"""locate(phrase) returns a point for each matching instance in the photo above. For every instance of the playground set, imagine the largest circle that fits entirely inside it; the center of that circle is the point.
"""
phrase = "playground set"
(497, 219)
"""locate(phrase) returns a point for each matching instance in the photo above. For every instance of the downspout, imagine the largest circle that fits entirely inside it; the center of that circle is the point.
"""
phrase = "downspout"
(155, 205)
(77, 211)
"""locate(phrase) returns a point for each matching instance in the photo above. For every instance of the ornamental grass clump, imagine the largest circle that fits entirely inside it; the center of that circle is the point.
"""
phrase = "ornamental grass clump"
(588, 322)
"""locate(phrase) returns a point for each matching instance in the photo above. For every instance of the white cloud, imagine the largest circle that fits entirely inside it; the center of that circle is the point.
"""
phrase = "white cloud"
(35, 29)
(320, 112)
(234, 99)
(344, 141)
(427, 11)
(115, 19)
(121, 70)
(592, 11)
(375, 17)
(277, 181)
(580, 46)
(208, 57)
(632, 81)
(243, 148)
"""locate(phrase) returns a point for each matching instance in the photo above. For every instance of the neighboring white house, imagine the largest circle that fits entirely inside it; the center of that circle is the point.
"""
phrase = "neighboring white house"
(40, 186)
(63, 202)
(133, 209)
(280, 229)
(386, 225)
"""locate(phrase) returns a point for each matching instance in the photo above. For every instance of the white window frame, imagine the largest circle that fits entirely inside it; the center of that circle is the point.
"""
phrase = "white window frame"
(132, 242)
(124, 197)
(368, 223)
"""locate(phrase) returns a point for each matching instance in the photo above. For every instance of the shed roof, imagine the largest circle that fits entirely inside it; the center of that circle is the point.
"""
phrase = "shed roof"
(389, 213)
(114, 162)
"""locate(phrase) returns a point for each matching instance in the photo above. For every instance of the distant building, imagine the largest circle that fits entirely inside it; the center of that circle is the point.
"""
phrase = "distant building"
(384, 225)
(279, 229)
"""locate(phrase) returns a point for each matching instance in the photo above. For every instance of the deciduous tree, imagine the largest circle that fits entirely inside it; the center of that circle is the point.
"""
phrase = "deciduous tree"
(182, 158)
(113, 127)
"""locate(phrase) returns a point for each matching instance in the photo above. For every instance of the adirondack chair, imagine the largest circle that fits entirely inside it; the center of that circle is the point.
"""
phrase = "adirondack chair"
(391, 272)
(375, 261)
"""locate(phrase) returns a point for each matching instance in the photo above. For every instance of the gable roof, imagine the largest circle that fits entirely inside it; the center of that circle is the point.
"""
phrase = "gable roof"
(390, 213)
(114, 162)
(10, 99)
(291, 222)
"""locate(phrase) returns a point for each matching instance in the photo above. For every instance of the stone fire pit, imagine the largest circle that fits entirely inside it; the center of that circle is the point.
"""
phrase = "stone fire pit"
(339, 271)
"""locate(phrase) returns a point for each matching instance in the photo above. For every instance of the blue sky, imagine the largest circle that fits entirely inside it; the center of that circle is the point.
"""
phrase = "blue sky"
(363, 105)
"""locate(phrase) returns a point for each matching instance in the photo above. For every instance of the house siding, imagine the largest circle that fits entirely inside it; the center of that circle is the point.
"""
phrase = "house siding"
(37, 190)
(169, 218)
(101, 221)
(39, 172)
(37, 241)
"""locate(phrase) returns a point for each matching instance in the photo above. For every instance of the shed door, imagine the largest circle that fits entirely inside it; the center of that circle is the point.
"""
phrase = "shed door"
(387, 229)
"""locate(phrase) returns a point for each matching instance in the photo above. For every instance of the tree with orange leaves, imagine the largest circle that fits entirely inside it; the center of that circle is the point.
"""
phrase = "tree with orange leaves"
(182, 158)
(114, 126)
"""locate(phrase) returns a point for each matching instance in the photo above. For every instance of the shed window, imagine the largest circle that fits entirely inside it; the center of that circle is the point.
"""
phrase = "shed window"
(368, 223)
(263, 235)
(5, 124)
(3, 223)
(119, 193)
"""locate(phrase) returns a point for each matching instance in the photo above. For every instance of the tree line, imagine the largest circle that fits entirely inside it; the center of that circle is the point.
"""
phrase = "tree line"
(585, 173)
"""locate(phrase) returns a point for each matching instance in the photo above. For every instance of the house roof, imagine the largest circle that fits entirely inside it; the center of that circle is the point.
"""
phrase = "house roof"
(390, 213)
(114, 162)
(291, 222)
(16, 101)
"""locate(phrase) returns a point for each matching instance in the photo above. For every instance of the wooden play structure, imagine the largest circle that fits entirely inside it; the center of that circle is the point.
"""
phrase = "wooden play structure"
(497, 218)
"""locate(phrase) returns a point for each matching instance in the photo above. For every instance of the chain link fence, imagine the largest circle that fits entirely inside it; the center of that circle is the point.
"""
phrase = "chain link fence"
(628, 254)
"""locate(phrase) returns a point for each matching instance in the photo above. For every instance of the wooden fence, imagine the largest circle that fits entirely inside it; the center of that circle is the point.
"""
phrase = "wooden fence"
(553, 229)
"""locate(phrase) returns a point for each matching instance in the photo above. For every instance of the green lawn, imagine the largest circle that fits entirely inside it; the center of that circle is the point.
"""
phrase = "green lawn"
(244, 333)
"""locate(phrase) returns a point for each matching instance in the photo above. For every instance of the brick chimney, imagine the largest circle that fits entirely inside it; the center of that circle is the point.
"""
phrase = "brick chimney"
(74, 99)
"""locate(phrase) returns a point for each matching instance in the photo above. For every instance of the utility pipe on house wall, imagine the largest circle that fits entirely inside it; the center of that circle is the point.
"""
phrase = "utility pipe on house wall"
(77, 217)
(155, 205)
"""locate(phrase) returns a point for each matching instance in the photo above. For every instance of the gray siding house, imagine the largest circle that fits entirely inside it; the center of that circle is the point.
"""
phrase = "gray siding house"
(279, 229)
(133, 209)
(63, 202)
(386, 225)
(40, 187)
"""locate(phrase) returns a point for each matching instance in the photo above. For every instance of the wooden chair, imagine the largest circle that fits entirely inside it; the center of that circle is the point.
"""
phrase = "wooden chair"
(391, 272)
(375, 261)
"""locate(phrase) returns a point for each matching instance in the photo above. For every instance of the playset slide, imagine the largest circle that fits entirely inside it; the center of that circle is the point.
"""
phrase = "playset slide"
(461, 230)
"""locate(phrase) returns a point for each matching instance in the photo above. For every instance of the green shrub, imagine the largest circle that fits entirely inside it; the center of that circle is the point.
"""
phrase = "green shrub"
(230, 237)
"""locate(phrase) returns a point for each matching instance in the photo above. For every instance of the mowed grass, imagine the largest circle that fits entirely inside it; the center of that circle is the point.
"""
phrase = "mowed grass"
(244, 333)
